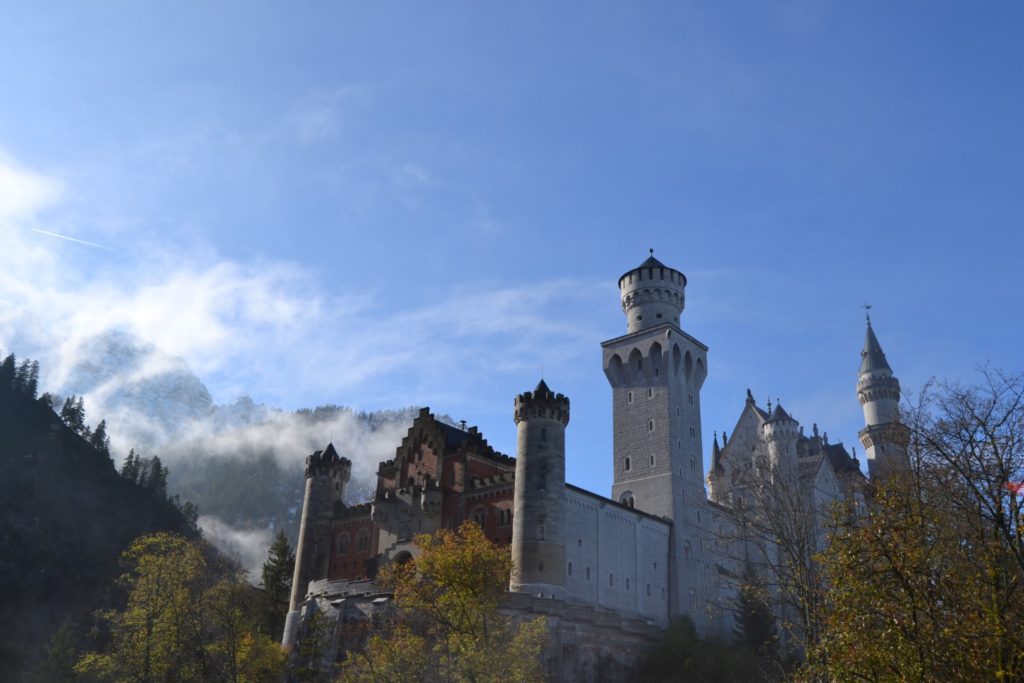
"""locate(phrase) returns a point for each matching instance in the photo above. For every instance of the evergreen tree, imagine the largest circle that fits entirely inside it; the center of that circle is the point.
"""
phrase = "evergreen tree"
(73, 413)
(47, 400)
(276, 581)
(32, 380)
(755, 622)
(156, 477)
(99, 439)
(21, 376)
(130, 468)
(7, 372)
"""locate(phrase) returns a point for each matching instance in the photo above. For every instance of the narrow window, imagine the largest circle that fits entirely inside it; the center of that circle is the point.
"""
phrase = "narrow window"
(540, 532)
(627, 464)
(650, 393)
(629, 397)
(588, 573)
(693, 465)
(650, 426)
(677, 411)
(569, 570)
(693, 433)
(652, 460)
(648, 590)
(627, 583)
(611, 579)
(690, 398)
(543, 433)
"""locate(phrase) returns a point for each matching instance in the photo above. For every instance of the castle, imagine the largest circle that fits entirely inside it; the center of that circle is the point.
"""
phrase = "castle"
(608, 572)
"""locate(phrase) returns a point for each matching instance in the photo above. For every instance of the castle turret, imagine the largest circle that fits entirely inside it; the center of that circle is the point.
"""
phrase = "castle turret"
(327, 473)
(538, 522)
(884, 438)
(652, 294)
(781, 433)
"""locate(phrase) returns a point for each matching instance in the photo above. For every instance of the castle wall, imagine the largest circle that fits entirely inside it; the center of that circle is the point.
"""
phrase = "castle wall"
(619, 557)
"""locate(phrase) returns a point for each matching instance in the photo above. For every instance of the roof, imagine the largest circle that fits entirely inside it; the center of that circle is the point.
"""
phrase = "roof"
(615, 503)
(872, 358)
(778, 413)
(651, 262)
(453, 436)
(840, 460)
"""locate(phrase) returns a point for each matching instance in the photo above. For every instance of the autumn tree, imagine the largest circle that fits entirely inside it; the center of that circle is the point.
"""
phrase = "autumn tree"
(929, 584)
(186, 619)
(448, 624)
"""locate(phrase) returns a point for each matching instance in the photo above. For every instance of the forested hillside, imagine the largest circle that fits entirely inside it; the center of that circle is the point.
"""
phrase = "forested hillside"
(65, 517)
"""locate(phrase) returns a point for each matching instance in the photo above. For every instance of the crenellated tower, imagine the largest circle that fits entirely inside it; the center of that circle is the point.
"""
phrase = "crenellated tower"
(539, 516)
(656, 372)
(327, 473)
(884, 438)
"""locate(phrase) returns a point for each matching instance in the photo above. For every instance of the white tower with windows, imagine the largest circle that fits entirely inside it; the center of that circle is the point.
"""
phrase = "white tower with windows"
(884, 438)
(656, 372)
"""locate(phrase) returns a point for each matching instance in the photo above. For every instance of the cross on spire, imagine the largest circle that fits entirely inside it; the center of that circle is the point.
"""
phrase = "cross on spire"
(867, 312)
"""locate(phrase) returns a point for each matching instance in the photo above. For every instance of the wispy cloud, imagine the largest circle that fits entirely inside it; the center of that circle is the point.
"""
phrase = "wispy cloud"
(320, 115)
(72, 239)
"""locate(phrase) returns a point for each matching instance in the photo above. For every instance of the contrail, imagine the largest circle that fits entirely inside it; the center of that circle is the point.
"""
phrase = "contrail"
(72, 239)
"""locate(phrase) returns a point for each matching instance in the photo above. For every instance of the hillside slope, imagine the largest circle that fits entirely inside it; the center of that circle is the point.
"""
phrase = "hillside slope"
(65, 517)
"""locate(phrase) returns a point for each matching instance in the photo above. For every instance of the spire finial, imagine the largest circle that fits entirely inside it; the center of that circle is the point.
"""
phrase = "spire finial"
(652, 251)
(769, 405)
(867, 312)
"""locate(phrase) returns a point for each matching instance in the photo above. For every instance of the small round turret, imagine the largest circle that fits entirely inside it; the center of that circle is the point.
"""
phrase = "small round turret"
(538, 521)
(652, 294)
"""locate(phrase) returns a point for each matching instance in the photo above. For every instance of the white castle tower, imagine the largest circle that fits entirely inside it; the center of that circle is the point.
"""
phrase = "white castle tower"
(781, 433)
(656, 372)
(538, 523)
(884, 438)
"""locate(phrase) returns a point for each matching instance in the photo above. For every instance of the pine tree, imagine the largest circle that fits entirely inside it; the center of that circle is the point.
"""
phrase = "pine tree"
(21, 376)
(276, 581)
(156, 479)
(73, 414)
(130, 468)
(47, 400)
(81, 427)
(7, 372)
(57, 661)
(32, 380)
(99, 439)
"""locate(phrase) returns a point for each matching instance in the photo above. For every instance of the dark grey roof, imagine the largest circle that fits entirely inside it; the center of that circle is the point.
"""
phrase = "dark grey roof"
(453, 436)
(779, 413)
(872, 358)
(840, 460)
(542, 389)
(652, 262)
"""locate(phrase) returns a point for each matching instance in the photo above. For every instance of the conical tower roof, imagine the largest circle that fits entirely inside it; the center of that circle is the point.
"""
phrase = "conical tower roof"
(872, 358)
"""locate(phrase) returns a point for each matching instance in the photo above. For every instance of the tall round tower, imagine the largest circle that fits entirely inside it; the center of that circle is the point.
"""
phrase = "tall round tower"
(884, 438)
(538, 522)
(652, 294)
(781, 433)
(327, 473)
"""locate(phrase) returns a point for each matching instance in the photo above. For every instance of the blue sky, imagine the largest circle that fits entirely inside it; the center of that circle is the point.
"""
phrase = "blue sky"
(385, 204)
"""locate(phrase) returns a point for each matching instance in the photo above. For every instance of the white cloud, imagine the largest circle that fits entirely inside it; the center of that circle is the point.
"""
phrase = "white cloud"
(23, 193)
(319, 115)
(248, 547)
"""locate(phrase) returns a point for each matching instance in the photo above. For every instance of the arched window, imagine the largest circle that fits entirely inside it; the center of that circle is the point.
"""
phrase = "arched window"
(342, 544)
(480, 516)
(363, 543)
(627, 499)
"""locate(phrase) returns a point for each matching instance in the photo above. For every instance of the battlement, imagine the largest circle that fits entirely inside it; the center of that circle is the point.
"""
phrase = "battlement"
(542, 403)
(327, 462)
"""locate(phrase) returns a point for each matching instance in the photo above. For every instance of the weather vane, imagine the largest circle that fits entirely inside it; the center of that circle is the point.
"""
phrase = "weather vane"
(867, 311)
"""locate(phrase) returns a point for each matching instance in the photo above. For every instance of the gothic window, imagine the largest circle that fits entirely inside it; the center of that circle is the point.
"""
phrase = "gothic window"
(627, 499)
(342, 544)
(480, 516)
(364, 541)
